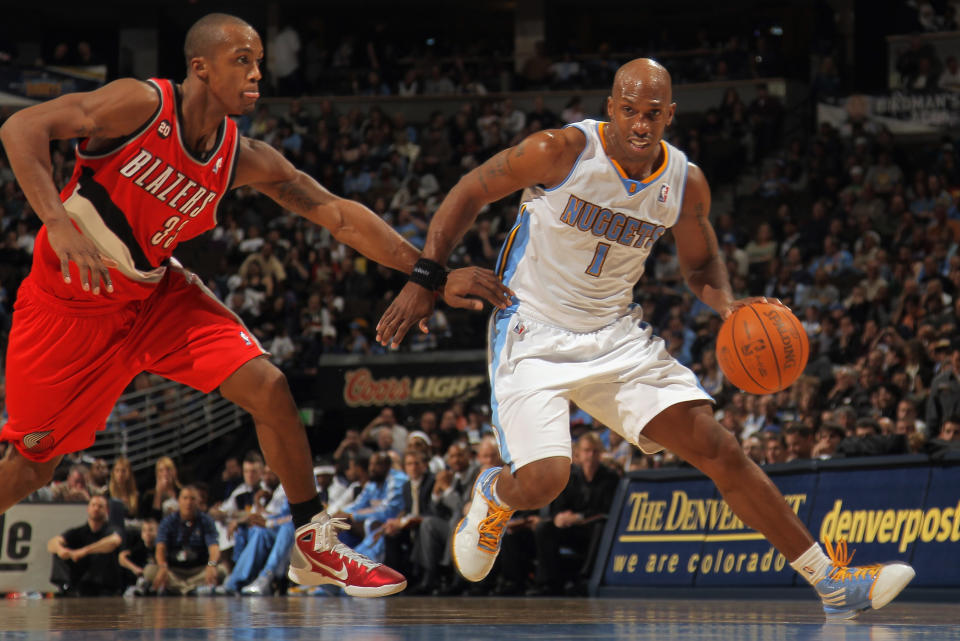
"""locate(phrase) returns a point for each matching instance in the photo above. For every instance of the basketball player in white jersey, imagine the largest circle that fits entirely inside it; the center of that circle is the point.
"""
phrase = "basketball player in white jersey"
(597, 196)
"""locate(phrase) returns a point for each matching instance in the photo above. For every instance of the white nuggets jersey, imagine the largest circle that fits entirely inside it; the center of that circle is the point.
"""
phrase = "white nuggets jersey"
(578, 249)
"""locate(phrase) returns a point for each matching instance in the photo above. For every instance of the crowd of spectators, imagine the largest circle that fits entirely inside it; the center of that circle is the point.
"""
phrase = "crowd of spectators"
(920, 68)
(378, 64)
(855, 230)
(927, 16)
(401, 486)
(858, 234)
(400, 489)
(386, 59)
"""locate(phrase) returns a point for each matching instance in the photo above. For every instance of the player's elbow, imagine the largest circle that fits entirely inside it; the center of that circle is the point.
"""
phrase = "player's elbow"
(7, 128)
(337, 220)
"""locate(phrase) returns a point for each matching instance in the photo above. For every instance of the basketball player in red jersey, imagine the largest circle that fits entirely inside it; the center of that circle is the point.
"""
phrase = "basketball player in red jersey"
(105, 298)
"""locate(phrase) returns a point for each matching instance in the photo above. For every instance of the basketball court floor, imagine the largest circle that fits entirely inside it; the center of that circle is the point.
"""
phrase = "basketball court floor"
(463, 619)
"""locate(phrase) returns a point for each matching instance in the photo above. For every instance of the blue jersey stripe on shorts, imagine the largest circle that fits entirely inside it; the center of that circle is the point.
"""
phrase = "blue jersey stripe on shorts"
(499, 327)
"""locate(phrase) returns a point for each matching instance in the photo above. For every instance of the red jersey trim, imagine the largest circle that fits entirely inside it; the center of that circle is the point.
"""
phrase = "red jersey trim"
(124, 142)
(233, 174)
(221, 132)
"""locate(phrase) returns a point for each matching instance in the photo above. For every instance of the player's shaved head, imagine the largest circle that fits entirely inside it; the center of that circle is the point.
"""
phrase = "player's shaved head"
(208, 32)
(643, 74)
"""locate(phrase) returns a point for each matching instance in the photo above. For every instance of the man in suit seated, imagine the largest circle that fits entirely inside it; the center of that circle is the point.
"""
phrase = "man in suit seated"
(451, 491)
(400, 532)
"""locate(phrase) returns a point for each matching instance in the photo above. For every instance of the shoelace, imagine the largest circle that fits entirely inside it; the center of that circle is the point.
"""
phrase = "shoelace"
(491, 527)
(841, 562)
(326, 539)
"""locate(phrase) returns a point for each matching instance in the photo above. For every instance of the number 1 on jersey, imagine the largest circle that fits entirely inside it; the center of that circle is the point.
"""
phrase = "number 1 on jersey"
(598, 257)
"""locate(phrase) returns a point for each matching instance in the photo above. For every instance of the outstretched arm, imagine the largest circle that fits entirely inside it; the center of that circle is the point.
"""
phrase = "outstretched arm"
(698, 252)
(697, 249)
(266, 170)
(113, 111)
(542, 158)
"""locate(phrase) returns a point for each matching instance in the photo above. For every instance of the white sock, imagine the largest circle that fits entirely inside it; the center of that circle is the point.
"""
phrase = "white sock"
(812, 564)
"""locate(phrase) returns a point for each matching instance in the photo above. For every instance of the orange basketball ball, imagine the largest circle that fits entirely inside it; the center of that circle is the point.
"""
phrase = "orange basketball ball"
(762, 348)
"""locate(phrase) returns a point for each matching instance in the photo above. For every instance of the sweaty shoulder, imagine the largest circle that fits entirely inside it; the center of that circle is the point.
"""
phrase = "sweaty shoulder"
(558, 147)
(134, 94)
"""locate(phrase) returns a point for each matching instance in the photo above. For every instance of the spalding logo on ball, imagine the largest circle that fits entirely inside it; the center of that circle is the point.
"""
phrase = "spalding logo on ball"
(762, 348)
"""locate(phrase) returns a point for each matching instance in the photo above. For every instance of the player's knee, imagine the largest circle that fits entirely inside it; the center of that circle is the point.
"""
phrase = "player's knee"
(724, 457)
(274, 381)
(32, 476)
(543, 481)
(261, 390)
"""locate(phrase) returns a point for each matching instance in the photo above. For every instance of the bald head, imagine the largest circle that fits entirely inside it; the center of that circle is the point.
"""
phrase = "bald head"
(643, 74)
(208, 32)
(640, 108)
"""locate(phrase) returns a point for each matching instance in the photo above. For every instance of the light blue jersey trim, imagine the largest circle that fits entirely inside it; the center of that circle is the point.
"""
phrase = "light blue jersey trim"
(519, 246)
(499, 327)
(683, 187)
(639, 185)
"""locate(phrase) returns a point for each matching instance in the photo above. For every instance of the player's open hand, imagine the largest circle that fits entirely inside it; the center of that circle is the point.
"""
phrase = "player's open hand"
(477, 283)
(467, 287)
(743, 302)
(72, 247)
(414, 304)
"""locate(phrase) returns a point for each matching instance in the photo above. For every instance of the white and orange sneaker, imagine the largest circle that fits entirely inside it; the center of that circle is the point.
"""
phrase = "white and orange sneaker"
(477, 539)
(318, 557)
(847, 590)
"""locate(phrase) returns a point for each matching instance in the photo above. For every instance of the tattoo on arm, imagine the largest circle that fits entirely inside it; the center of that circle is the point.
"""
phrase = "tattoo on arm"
(517, 152)
(483, 183)
(500, 168)
(296, 197)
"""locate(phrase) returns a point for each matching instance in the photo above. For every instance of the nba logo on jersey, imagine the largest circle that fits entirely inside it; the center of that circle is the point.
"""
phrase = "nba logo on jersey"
(664, 192)
(246, 339)
(218, 165)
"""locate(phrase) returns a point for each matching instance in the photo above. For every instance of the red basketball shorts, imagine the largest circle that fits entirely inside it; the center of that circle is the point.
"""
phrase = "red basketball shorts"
(68, 362)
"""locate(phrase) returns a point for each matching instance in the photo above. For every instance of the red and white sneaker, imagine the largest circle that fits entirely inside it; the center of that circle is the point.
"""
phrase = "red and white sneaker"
(318, 557)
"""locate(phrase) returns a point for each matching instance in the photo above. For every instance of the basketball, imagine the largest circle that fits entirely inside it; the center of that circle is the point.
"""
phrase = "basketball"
(762, 348)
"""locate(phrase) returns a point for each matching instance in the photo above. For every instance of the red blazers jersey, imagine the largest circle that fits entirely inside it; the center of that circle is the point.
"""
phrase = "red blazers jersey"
(138, 199)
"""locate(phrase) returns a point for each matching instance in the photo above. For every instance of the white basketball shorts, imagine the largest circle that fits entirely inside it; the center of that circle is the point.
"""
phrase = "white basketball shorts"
(620, 374)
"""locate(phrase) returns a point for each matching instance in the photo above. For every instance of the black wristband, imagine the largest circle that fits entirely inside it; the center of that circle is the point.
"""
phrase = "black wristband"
(429, 274)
